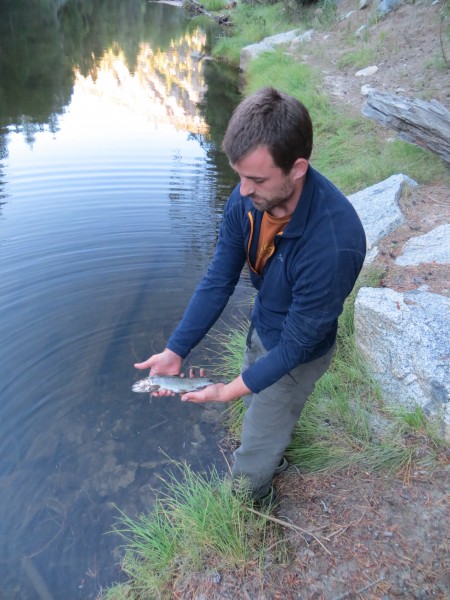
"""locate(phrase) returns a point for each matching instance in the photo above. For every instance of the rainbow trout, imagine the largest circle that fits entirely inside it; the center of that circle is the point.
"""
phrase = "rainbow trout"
(174, 383)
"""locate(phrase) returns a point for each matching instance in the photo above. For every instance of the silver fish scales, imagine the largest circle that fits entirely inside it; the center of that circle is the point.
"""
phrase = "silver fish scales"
(173, 383)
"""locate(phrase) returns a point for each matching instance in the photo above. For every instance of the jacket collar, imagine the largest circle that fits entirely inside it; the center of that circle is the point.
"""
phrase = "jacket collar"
(299, 219)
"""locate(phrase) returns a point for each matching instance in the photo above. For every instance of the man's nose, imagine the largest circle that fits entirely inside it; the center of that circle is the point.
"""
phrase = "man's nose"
(247, 186)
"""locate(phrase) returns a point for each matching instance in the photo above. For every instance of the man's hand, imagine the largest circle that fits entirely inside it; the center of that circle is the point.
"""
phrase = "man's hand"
(219, 392)
(164, 363)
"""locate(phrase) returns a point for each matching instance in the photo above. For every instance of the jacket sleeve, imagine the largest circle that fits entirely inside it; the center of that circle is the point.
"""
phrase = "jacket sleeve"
(318, 294)
(213, 292)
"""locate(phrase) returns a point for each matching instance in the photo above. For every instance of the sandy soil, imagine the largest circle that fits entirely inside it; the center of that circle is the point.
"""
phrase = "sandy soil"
(367, 536)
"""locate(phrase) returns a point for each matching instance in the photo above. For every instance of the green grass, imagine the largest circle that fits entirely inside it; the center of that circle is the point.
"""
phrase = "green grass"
(214, 5)
(357, 59)
(196, 524)
(345, 422)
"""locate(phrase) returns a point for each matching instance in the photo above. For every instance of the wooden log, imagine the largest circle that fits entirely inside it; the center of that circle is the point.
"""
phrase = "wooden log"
(426, 124)
(192, 7)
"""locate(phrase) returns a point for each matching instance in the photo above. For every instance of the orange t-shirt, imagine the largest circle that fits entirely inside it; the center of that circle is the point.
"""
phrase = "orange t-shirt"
(270, 226)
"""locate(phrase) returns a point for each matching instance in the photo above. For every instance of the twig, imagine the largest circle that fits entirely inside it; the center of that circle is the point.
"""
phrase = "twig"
(342, 596)
(286, 524)
(226, 460)
(344, 528)
(441, 40)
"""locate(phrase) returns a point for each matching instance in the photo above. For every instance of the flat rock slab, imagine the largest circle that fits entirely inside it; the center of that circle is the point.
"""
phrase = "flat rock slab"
(434, 246)
(248, 53)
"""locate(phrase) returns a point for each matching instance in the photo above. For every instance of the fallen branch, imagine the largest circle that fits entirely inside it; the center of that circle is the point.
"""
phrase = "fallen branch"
(192, 7)
(286, 524)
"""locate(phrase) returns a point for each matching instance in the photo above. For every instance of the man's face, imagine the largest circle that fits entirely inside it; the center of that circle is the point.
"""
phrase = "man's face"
(267, 185)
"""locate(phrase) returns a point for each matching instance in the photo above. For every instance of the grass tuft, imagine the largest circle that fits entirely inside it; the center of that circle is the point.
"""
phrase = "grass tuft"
(196, 521)
(214, 5)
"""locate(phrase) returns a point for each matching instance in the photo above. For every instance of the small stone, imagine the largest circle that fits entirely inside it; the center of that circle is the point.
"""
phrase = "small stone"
(367, 71)
(366, 90)
(359, 31)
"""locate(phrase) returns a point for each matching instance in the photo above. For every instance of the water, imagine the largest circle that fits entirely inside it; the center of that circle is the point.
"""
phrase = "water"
(112, 184)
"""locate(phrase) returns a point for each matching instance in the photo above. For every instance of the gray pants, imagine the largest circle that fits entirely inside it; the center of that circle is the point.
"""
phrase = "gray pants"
(270, 418)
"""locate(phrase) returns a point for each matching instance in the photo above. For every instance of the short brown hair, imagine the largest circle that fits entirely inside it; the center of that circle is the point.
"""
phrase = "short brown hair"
(274, 119)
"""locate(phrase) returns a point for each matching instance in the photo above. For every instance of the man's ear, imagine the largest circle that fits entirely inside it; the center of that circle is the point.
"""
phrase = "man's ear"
(299, 168)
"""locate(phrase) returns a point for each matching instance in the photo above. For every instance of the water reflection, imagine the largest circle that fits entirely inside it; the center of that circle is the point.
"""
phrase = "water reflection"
(41, 41)
(113, 184)
(164, 88)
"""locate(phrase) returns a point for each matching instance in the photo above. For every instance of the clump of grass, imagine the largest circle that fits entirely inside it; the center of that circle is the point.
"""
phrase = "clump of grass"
(196, 524)
(214, 5)
(357, 59)
(231, 346)
(345, 422)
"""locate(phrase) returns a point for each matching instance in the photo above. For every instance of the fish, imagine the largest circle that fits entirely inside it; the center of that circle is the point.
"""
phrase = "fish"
(174, 383)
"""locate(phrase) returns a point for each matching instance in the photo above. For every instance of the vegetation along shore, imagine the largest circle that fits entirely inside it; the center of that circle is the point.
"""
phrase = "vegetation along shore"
(363, 510)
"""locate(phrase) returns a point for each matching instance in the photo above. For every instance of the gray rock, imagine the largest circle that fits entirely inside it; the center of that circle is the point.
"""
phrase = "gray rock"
(387, 6)
(434, 246)
(360, 30)
(301, 39)
(248, 53)
(366, 90)
(367, 72)
(405, 338)
(378, 209)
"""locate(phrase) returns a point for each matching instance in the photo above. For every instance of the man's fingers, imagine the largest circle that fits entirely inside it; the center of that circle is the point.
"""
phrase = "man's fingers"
(142, 365)
(202, 372)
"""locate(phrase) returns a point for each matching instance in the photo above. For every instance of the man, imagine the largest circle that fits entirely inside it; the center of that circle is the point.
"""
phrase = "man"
(304, 246)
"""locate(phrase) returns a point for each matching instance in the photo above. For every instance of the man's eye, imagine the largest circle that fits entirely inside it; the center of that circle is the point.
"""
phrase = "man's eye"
(258, 180)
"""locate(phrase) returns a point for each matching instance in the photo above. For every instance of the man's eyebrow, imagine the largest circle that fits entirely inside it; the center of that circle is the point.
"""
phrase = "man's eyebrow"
(255, 177)
(252, 177)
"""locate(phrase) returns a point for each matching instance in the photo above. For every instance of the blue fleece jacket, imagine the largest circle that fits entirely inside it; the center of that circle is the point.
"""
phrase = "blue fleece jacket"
(302, 288)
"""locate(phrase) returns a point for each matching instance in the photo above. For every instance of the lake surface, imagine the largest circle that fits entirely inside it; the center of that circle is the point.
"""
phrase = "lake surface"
(112, 184)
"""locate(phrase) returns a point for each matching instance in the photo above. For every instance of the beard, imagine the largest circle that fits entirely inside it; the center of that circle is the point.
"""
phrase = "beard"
(281, 196)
